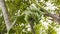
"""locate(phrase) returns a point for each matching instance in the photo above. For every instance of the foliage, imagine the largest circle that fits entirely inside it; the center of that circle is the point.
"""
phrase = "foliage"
(26, 10)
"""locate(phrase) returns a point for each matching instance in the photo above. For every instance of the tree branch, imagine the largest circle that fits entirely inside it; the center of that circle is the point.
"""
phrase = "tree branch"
(54, 16)
(32, 24)
(5, 14)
